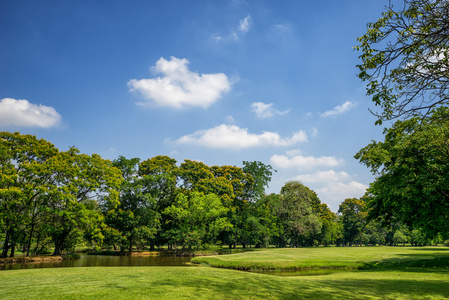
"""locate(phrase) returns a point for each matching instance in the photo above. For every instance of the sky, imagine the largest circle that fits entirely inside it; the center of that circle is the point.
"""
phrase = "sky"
(220, 82)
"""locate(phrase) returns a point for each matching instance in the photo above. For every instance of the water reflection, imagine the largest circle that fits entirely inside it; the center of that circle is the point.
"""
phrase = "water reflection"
(104, 261)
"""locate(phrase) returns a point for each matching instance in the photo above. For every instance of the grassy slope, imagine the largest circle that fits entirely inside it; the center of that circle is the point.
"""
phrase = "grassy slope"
(398, 282)
(331, 257)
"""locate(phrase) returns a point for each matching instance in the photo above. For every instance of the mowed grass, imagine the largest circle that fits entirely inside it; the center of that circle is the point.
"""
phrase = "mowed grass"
(397, 276)
(331, 257)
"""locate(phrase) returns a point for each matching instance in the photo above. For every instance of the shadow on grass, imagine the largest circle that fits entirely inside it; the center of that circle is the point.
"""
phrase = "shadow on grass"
(435, 262)
(261, 287)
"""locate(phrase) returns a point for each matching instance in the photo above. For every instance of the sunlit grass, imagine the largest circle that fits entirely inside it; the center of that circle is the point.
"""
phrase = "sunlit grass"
(399, 273)
(331, 257)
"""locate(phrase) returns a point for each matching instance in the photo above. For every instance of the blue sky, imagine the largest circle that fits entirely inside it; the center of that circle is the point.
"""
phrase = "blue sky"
(217, 81)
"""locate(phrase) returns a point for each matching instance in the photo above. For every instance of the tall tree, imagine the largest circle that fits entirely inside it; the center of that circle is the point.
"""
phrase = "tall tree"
(300, 224)
(261, 174)
(197, 219)
(412, 173)
(405, 58)
(136, 217)
(26, 180)
(83, 181)
(353, 214)
(159, 178)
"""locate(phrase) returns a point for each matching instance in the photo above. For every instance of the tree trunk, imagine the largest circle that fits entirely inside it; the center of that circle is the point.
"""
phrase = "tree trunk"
(13, 249)
(5, 245)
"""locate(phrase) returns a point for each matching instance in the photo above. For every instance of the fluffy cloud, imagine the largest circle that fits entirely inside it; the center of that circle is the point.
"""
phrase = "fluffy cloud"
(333, 193)
(264, 110)
(23, 113)
(333, 187)
(338, 109)
(301, 162)
(324, 176)
(233, 137)
(179, 87)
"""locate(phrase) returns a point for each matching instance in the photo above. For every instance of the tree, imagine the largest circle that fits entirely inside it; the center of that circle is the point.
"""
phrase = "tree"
(407, 74)
(353, 216)
(26, 179)
(159, 177)
(197, 219)
(261, 174)
(135, 218)
(412, 174)
(300, 224)
(82, 181)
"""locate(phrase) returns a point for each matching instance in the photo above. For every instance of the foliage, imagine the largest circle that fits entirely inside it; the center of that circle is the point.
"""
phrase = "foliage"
(412, 169)
(353, 219)
(197, 219)
(405, 60)
(300, 224)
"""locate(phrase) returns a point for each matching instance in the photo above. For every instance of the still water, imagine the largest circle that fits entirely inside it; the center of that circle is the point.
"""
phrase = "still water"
(104, 261)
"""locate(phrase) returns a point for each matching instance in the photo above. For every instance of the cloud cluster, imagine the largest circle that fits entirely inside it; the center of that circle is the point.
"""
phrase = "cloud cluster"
(23, 113)
(301, 162)
(332, 187)
(264, 110)
(338, 109)
(336, 192)
(179, 87)
(233, 137)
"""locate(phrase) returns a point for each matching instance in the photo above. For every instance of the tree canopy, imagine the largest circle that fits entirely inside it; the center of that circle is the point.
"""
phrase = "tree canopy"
(405, 59)
(412, 169)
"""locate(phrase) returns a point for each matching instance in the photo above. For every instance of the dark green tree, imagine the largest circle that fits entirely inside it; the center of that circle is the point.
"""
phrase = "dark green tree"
(412, 173)
(295, 211)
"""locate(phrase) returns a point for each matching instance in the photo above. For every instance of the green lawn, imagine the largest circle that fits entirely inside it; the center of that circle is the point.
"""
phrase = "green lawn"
(397, 276)
(332, 257)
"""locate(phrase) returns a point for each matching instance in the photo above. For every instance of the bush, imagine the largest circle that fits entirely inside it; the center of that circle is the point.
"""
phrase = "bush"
(446, 243)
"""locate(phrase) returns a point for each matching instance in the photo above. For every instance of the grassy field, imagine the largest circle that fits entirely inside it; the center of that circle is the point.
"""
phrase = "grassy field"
(399, 273)
(331, 257)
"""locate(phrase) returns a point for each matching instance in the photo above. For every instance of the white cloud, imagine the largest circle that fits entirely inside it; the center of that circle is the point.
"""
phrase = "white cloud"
(233, 137)
(245, 24)
(333, 193)
(333, 187)
(324, 176)
(338, 109)
(264, 110)
(23, 113)
(301, 162)
(179, 87)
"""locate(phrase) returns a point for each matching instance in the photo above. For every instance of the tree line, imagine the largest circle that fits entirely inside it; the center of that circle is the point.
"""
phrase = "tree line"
(58, 199)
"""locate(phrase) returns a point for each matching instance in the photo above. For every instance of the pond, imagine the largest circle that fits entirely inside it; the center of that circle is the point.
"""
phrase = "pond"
(104, 261)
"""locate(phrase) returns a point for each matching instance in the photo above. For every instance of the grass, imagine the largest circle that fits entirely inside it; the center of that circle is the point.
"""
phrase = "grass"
(398, 273)
(331, 257)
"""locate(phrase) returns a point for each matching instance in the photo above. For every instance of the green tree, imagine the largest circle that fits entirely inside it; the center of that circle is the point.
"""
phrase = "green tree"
(412, 173)
(261, 174)
(353, 217)
(300, 224)
(405, 59)
(135, 217)
(83, 181)
(26, 180)
(159, 178)
(197, 219)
